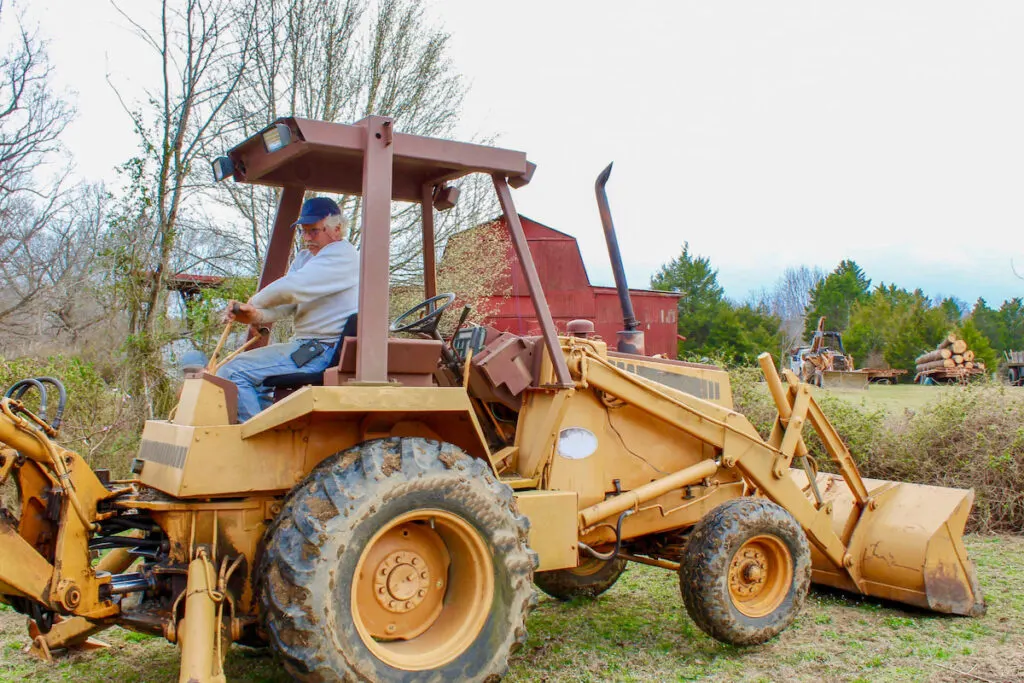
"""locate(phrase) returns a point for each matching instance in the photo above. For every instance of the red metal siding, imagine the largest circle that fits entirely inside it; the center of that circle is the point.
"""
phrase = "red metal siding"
(570, 295)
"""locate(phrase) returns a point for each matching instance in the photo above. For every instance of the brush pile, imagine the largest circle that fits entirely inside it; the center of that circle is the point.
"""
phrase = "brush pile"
(951, 360)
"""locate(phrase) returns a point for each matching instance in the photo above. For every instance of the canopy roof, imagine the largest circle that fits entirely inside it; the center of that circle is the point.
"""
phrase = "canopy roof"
(328, 157)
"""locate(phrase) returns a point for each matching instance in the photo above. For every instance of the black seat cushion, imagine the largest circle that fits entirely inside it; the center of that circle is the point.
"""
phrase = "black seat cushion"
(294, 380)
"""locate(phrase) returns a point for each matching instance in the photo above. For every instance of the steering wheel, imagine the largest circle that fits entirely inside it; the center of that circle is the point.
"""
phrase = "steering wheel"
(424, 316)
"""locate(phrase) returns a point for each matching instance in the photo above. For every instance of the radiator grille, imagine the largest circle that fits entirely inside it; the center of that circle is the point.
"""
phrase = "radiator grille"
(168, 454)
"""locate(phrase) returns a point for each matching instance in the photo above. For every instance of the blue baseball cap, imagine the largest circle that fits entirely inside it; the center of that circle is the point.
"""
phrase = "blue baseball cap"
(316, 209)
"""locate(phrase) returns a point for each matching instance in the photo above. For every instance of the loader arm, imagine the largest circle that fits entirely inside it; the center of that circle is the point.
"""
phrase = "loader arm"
(741, 446)
(855, 527)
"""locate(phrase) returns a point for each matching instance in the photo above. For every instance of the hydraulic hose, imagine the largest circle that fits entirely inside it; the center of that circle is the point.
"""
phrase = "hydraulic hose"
(45, 448)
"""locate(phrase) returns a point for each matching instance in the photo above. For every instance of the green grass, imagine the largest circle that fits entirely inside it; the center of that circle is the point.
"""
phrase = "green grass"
(891, 398)
(639, 631)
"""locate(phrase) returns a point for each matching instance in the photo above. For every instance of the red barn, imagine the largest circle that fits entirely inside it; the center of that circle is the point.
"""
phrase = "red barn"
(570, 295)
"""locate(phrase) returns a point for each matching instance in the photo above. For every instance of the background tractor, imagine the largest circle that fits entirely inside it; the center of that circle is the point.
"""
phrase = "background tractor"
(386, 519)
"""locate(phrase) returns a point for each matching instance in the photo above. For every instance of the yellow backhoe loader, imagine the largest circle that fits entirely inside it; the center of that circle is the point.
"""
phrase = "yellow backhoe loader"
(386, 520)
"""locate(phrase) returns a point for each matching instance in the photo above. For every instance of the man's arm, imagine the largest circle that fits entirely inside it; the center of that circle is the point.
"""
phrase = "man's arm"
(331, 271)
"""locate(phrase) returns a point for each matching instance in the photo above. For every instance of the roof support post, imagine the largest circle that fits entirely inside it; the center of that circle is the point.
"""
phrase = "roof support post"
(374, 248)
(429, 269)
(275, 262)
(540, 304)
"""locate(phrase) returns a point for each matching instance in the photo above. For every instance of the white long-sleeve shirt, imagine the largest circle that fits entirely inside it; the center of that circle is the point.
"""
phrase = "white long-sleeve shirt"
(320, 291)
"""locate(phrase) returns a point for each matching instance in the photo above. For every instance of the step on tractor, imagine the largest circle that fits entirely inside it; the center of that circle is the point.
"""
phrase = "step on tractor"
(388, 519)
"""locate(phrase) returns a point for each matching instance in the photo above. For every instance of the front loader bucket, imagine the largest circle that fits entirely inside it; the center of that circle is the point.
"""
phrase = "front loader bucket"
(907, 546)
(835, 379)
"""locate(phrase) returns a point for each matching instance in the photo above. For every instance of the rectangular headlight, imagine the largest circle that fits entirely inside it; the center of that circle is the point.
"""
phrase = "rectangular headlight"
(222, 168)
(276, 137)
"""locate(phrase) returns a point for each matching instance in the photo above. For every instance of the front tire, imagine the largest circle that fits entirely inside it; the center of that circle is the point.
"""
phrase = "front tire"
(745, 571)
(591, 578)
(400, 560)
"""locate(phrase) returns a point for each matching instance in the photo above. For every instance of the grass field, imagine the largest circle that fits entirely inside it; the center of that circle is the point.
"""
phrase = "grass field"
(639, 631)
(893, 397)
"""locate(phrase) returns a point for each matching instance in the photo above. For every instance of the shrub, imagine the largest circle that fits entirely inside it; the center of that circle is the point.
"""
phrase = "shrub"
(100, 422)
(971, 437)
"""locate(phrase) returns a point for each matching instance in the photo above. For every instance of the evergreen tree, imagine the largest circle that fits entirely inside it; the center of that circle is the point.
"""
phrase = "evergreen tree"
(896, 325)
(713, 327)
(953, 309)
(701, 303)
(1011, 314)
(834, 296)
(990, 324)
(979, 343)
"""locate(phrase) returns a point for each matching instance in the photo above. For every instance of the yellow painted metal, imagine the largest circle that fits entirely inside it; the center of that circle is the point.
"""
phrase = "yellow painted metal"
(201, 403)
(23, 571)
(675, 510)
(760, 575)
(841, 533)
(198, 632)
(71, 584)
(553, 533)
(466, 585)
(712, 385)
(294, 435)
(632, 499)
(540, 419)
(837, 379)
(116, 561)
(907, 545)
(73, 632)
(359, 399)
(834, 444)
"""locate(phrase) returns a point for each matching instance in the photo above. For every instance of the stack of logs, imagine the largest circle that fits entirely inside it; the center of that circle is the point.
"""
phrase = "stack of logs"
(952, 359)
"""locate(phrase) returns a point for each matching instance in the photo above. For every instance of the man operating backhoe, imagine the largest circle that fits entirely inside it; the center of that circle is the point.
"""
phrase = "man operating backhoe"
(321, 291)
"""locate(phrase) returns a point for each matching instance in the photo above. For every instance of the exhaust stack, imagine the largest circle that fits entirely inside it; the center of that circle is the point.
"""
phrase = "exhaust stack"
(630, 339)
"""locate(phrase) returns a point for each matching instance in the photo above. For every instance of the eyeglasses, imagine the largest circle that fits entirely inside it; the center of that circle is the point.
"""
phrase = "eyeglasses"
(309, 232)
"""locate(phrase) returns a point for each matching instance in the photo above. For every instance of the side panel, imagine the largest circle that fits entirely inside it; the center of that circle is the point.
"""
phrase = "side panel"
(278, 447)
(630, 446)
(552, 516)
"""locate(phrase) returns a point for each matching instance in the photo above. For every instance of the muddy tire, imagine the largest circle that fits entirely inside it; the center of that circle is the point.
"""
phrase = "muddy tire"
(745, 571)
(400, 560)
(590, 579)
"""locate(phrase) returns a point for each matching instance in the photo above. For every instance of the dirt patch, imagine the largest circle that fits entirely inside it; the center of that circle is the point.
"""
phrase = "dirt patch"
(392, 463)
(321, 508)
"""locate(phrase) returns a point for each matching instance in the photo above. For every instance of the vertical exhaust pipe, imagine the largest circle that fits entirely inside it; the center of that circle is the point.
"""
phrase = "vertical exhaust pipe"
(630, 339)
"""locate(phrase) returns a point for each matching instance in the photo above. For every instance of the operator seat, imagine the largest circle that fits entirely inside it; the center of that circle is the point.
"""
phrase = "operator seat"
(285, 384)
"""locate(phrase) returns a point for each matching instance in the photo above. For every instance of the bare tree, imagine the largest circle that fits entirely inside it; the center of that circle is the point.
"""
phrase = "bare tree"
(49, 252)
(204, 48)
(38, 250)
(341, 60)
(32, 116)
(789, 299)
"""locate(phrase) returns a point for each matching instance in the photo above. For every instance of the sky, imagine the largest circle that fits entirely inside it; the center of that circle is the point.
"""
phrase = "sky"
(764, 134)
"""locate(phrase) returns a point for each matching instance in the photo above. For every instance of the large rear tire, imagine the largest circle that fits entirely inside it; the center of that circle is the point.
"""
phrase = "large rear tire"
(591, 578)
(399, 560)
(745, 571)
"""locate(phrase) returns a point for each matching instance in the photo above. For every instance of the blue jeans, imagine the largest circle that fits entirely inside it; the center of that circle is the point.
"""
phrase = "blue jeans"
(250, 368)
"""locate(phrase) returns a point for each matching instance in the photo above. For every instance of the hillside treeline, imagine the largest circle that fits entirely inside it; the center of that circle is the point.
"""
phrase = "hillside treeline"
(882, 325)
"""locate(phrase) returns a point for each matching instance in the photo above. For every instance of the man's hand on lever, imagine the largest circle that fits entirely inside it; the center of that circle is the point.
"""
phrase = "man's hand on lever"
(243, 313)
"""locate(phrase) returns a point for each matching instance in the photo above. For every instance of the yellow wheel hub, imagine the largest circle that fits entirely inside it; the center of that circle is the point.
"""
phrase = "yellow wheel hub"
(401, 581)
(760, 575)
(423, 589)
